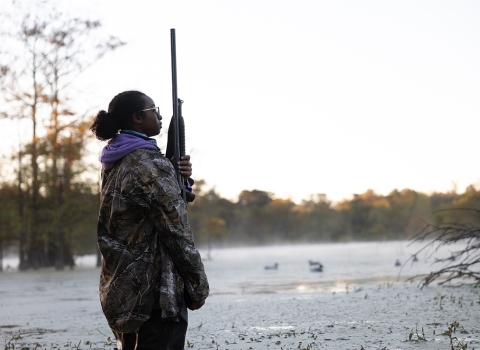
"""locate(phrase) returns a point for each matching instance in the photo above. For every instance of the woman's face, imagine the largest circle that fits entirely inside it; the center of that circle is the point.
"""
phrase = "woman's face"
(151, 123)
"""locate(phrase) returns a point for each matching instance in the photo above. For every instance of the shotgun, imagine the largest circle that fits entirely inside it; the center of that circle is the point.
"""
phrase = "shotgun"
(176, 129)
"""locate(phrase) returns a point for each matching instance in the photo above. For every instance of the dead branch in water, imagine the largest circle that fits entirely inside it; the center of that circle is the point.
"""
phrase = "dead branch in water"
(463, 263)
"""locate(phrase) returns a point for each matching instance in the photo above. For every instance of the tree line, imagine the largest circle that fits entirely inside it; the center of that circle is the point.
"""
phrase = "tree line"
(257, 217)
(62, 229)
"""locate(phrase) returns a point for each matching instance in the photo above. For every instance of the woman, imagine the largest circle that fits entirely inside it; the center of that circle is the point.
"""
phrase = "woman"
(151, 271)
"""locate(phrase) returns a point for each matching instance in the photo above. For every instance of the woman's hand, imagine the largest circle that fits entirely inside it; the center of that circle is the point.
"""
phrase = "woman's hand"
(185, 166)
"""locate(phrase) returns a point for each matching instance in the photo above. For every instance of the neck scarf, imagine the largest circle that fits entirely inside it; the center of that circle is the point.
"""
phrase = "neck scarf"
(122, 144)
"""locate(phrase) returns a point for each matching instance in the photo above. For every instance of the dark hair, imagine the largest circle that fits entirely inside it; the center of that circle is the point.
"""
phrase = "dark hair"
(120, 110)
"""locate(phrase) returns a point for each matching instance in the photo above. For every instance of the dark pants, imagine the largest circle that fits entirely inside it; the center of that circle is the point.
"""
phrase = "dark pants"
(156, 334)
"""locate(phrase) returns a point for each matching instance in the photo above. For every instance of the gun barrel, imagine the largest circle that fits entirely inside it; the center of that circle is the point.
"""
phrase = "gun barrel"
(177, 122)
(174, 95)
(173, 50)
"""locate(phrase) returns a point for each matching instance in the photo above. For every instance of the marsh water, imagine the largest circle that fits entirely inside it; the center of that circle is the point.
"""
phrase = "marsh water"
(62, 308)
(242, 270)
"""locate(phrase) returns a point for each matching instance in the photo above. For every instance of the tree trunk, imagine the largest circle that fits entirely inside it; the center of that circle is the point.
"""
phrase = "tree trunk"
(1, 254)
(22, 266)
(35, 251)
(59, 261)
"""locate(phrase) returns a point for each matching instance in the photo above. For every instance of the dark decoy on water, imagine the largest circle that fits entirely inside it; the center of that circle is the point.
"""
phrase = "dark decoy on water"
(451, 258)
(313, 263)
(415, 259)
(272, 267)
(398, 263)
(316, 268)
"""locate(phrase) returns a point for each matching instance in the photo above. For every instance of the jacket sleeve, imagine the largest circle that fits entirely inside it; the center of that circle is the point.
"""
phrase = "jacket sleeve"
(171, 223)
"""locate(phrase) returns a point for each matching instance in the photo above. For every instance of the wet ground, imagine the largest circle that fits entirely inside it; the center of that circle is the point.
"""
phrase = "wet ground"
(252, 308)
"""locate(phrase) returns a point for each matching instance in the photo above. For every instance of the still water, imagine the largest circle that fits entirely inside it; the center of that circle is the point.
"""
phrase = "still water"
(241, 270)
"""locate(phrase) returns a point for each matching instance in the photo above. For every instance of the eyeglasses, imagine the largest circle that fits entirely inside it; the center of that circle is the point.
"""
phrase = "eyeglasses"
(157, 110)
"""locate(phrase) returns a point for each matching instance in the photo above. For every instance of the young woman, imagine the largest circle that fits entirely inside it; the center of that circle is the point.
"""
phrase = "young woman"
(151, 271)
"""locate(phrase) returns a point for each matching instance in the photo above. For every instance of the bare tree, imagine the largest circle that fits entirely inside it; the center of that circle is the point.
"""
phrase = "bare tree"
(48, 49)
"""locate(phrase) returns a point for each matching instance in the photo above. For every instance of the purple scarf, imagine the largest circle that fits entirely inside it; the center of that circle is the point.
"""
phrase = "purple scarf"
(120, 146)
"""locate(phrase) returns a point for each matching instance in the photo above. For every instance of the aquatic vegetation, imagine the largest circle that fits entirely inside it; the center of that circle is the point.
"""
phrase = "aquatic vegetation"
(419, 337)
(16, 342)
(441, 299)
(10, 345)
(451, 330)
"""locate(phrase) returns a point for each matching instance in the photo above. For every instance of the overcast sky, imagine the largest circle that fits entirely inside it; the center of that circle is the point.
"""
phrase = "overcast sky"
(306, 96)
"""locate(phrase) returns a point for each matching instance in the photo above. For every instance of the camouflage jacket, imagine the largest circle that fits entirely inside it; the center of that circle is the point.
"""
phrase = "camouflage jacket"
(149, 256)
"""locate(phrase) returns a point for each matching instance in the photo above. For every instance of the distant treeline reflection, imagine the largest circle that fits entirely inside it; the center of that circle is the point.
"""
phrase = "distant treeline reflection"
(257, 218)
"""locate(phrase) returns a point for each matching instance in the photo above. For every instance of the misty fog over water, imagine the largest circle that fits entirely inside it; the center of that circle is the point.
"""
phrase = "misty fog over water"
(241, 270)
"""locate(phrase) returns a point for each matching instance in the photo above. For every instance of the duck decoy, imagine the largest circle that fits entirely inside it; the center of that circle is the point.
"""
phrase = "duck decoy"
(272, 267)
(398, 263)
(317, 268)
(313, 263)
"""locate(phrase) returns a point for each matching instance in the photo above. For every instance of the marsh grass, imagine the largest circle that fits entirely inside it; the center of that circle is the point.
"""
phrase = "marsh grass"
(16, 343)
(451, 330)
(419, 337)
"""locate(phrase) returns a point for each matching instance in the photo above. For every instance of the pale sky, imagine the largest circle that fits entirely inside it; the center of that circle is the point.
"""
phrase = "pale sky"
(306, 96)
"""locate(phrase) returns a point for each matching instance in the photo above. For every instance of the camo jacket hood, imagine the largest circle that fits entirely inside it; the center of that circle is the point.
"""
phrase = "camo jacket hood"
(149, 255)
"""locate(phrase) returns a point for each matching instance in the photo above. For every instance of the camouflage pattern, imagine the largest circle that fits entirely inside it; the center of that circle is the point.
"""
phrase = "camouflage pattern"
(149, 256)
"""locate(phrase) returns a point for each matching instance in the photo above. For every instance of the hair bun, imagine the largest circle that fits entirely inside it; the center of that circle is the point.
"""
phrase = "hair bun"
(104, 126)
(102, 114)
(119, 115)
